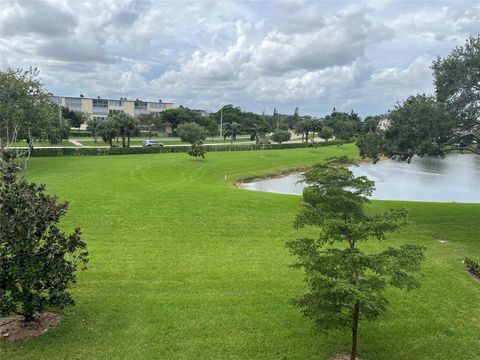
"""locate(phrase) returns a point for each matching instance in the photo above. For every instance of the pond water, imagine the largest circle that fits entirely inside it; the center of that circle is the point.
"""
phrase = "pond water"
(454, 178)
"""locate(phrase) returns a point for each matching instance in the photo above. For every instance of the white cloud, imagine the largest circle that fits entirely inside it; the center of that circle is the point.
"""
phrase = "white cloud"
(254, 54)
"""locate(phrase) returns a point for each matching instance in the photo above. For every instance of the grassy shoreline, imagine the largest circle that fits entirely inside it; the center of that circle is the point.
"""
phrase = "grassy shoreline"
(186, 266)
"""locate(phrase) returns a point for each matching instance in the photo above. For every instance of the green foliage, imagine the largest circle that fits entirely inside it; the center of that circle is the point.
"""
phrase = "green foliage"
(371, 145)
(280, 136)
(419, 126)
(231, 130)
(94, 128)
(212, 128)
(457, 80)
(126, 125)
(175, 117)
(74, 118)
(37, 260)
(191, 132)
(26, 113)
(326, 133)
(428, 126)
(345, 125)
(197, 150)
(81, 133)
(108, 129)
(344, 282)
(472, 265)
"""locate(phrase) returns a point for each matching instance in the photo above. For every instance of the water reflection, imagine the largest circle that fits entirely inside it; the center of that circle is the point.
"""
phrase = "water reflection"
(455, 178)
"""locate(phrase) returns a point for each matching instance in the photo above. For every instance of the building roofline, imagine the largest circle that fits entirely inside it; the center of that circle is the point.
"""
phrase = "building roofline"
(121, 99)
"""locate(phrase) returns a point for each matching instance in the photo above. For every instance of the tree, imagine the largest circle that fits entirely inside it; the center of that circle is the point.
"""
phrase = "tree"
(26, 112)
(108, 130)
(38, 261)
(419, 126)
(346, 284)
(175, 117)
(457, 85)
(194, 134)
(197, 150)
(344, 129)
(280, 136)
(212, 128)
(326, 133)
(150, 123)
(75, 118)
(93, 125)
(231, 130)
(258, 129)
(191, 132)
(127, 126)
(453, 115)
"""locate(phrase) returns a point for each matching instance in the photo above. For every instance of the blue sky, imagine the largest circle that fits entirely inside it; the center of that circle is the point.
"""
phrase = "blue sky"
(361, 55)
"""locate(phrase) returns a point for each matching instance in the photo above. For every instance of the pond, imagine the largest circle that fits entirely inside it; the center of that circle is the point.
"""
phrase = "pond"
(455, 178)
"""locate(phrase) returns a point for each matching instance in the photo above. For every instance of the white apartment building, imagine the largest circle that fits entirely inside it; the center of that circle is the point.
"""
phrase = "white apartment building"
(100, 108)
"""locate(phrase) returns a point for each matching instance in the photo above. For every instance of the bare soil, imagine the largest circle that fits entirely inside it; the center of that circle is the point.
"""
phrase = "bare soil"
(343, 357)
(14, 328)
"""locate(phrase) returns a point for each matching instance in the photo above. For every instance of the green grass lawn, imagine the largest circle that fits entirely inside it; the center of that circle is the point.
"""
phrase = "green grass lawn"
(185, 266)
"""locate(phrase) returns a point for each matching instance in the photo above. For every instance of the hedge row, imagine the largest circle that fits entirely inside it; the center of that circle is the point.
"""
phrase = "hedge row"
(80, 133)
(472, 265)
(167, 149)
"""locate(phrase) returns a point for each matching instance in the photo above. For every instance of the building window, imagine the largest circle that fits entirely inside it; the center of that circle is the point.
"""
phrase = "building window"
(140, 105)
(155, 105)
(110, 111)
(74, 104)
(100, 103)
(117, 103)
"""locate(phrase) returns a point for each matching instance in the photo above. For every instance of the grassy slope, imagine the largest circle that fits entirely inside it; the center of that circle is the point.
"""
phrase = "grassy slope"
(184, 266)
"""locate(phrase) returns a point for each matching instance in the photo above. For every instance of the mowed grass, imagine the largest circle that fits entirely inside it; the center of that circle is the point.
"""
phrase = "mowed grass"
(186, 266)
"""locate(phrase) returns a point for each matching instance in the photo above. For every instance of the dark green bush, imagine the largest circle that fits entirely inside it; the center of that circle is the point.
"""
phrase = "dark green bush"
(472, 265)
(80, 133)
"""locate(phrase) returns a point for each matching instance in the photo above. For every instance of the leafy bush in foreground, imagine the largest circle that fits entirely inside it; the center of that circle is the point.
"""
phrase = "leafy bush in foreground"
(472, 265)
(37, 260)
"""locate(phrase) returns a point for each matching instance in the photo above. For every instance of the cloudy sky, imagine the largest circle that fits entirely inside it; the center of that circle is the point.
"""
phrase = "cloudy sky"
(362, 55)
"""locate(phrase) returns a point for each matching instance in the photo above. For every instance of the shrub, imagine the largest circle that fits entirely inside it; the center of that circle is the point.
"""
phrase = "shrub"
(472, 265)
(280, 136)
(38, 260)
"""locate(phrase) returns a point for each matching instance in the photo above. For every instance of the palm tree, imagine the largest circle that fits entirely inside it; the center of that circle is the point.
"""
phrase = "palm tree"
(231, 130)
(258, 130)
(93, 126)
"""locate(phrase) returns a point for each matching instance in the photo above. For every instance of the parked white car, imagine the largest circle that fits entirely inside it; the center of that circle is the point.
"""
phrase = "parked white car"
(151, 143)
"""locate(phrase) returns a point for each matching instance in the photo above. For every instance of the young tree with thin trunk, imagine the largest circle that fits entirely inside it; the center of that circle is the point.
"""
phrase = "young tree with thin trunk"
(345, 283)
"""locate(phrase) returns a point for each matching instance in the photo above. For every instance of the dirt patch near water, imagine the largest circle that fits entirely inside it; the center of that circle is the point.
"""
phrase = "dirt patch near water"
(13, 328)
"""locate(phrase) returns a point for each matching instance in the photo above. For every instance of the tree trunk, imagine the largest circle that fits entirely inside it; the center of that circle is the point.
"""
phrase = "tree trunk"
(356, 312)
(123, 141)
(128, 141)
